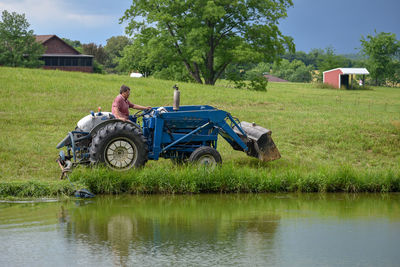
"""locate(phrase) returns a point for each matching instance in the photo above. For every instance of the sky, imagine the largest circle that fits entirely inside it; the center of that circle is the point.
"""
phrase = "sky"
(312, 23)
(340, 23)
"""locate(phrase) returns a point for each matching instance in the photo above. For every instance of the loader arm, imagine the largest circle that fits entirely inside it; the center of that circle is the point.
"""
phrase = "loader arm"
(229, 134)
(248, 137)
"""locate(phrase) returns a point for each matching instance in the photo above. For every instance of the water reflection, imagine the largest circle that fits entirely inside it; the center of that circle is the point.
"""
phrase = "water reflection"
(208, 228)
(263, 230)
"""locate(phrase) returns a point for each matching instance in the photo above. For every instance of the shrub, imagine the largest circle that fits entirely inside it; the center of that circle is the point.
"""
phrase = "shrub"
(97, 67)
(257, 82)
(323, 86)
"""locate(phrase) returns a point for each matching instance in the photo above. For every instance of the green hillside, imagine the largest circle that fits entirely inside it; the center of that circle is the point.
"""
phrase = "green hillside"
(314, 129)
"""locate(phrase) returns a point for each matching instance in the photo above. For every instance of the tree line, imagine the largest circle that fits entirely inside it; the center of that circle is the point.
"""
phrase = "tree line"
(203, 41)
(106, 58)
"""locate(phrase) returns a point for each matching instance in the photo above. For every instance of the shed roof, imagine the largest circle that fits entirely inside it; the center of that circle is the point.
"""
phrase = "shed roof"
(351, 70)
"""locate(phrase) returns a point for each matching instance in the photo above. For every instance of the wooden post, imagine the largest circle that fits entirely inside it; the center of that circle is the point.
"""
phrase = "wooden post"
(351, 81)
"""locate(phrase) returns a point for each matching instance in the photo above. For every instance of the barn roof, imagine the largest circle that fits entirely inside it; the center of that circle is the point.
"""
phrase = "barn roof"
(44, 38)
(351, 70)
(65, 55)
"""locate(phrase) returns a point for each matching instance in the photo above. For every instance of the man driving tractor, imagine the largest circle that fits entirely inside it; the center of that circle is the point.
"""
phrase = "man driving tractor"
(121, 104)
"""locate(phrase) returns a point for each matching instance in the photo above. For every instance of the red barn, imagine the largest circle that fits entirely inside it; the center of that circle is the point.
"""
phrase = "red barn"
(343, 76)
(60, 55)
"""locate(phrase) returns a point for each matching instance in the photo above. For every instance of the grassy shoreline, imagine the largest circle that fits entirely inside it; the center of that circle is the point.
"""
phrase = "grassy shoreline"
(225, 179)
(330, 140)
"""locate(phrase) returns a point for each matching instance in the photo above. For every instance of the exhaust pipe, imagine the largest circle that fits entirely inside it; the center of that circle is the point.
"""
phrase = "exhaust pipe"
(259, 141)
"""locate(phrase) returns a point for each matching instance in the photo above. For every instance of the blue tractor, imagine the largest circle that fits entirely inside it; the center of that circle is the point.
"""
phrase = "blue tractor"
(186, 134)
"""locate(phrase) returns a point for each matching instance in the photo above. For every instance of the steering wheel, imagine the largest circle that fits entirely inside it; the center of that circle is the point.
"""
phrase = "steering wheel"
(141, 113)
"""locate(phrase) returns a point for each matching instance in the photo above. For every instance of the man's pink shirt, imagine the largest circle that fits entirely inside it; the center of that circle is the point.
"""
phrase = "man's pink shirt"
(123, 105)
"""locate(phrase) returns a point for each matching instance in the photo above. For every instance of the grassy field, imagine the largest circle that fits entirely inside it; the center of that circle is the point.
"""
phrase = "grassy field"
(323, 135)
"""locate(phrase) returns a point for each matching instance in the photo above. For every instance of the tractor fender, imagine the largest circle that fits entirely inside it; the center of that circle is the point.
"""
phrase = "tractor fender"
(94, 131)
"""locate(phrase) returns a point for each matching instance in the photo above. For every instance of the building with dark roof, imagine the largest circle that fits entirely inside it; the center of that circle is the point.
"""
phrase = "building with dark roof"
(60, 55)
(272, 78)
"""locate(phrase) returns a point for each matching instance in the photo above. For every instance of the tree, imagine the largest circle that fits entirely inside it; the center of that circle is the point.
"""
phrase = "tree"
(95, 50)
(134, 59)
(328, 60)
(74, 43)
(262, 68)
(300, 55)
(114, 47)
(207, 36)
(395, 79)
(18, 47)
(138, 57)
(383, 51)
(295, 71)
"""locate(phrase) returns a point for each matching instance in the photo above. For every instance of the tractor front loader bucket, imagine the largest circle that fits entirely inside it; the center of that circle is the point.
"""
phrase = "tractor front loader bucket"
(258, 141)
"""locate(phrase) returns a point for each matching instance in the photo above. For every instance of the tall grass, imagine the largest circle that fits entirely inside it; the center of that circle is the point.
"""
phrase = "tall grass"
(35, 188)
(230, 179)
(318, 132)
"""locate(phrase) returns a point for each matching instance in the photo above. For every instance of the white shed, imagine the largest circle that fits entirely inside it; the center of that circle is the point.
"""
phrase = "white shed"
(136, 75)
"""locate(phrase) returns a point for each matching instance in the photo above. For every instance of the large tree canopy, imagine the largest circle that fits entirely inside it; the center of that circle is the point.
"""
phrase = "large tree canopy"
(18, 47)
(206, 35)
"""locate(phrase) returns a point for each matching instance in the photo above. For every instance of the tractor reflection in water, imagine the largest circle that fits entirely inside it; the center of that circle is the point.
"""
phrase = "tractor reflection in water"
(142, 229)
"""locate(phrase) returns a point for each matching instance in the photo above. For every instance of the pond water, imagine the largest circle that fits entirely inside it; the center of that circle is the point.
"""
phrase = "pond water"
(204, 230)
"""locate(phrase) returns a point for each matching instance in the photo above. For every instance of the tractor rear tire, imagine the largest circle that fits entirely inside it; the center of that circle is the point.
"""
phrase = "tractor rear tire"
(121, 146)
(205, 156)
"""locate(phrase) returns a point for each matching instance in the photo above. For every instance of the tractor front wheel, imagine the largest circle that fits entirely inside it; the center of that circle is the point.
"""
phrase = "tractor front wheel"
(120, 146)
(205, 156)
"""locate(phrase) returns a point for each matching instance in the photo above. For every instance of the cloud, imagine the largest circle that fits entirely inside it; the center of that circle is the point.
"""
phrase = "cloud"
(57, 13)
